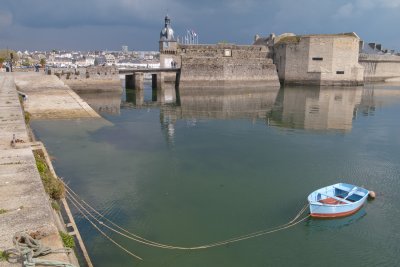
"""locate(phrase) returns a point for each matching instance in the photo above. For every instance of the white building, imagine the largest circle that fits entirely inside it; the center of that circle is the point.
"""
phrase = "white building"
(89, 61)
(110, 59)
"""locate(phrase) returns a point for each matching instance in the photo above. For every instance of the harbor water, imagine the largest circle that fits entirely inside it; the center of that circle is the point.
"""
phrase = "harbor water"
(217, 164)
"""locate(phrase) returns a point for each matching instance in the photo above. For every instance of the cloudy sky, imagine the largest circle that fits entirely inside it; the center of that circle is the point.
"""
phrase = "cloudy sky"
(108, 24)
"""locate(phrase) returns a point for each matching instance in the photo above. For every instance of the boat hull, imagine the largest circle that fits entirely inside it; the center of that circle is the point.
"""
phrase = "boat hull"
(332, 212)
(328, 203)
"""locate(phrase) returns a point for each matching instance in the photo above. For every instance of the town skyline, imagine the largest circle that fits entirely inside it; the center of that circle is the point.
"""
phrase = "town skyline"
(107, 25)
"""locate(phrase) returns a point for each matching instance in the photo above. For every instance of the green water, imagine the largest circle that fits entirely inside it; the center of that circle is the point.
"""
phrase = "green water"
(228, 164)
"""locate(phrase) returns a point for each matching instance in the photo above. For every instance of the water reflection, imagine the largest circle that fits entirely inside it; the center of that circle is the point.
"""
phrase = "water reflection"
(213, 103)
(149, 96)
(329, 224)
(317, 108)
(217, 103)
(103, 102)
(309, 108)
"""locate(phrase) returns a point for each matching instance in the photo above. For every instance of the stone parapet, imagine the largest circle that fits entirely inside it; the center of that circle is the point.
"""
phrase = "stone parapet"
(378, 68)
(218, 50)
(98, 78)
(380, 58)
(94, 73)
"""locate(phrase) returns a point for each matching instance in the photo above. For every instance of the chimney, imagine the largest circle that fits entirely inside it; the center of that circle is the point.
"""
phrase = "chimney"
(361, 46)
(372, 45)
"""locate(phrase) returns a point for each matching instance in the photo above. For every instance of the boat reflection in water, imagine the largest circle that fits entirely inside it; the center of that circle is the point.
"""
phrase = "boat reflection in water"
(322, 225)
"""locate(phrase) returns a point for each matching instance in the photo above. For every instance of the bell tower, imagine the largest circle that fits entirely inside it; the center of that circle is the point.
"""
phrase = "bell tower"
(168, 45)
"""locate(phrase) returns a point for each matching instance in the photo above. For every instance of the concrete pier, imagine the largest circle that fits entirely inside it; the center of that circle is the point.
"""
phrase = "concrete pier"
(23, 201)
(135, 81)
(50, 98)
(134, 78)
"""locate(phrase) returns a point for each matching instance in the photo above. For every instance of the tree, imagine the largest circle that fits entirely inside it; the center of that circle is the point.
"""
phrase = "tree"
(6, 54)
(26, 63)
(43, 62)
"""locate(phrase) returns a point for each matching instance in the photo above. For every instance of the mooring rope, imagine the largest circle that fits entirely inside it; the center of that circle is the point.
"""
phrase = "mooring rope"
(105, 235)
(159, 245)
(132, 236)
(30, 248)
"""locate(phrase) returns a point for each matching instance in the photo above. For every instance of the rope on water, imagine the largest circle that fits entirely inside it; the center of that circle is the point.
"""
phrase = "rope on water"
(29, 248)
(132, 236)
(104, 234)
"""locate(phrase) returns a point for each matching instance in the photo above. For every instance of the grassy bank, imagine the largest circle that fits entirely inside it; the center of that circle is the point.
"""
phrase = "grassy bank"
(52, 185)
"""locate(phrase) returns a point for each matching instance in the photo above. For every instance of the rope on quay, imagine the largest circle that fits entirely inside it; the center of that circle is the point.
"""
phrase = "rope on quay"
(30, 248)
(74, 198)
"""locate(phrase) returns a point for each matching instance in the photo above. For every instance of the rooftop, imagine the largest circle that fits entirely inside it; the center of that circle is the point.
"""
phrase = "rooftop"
(297, 38)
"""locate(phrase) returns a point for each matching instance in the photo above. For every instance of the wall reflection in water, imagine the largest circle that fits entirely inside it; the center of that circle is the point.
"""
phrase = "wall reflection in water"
(149, 97)
(320, 108)
(103, 102)
(224, 103)
(310, 108)
(217, 103)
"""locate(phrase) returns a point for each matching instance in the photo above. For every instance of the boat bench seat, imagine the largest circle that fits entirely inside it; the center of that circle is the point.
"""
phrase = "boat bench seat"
(337, 198)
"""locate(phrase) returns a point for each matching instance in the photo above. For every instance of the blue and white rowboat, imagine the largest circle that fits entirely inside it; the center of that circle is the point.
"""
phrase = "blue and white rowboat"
(337, 200)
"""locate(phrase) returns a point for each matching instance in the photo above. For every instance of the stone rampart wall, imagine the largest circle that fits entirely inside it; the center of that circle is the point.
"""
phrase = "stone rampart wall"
(380, 58)
(226, 71)
(94, 73)
(238, 51)
(226, 65)
(320, 61)
(98, 78)
(380, 67)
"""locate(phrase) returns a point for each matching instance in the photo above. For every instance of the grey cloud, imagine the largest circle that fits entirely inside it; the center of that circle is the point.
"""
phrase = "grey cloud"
(345, 11)
(62, 14)
(5, 19)
(137, 23)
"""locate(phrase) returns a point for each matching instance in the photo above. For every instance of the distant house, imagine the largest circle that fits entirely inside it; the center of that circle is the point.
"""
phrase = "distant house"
(100, 60)
(62, 62)
(110, 59)
(89, 61)
(320, 59)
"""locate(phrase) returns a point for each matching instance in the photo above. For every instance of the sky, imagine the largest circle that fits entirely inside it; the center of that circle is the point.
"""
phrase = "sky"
(109, 24)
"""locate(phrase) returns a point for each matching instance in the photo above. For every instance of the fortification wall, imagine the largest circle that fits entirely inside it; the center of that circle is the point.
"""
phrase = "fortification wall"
(94, 73)
(98, 78)
(319, 60)
(380, 67)
(226, 65)
(218, 50)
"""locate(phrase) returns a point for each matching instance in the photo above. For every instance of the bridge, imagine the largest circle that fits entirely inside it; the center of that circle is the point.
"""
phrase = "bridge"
(134, 77)
(148, 70)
